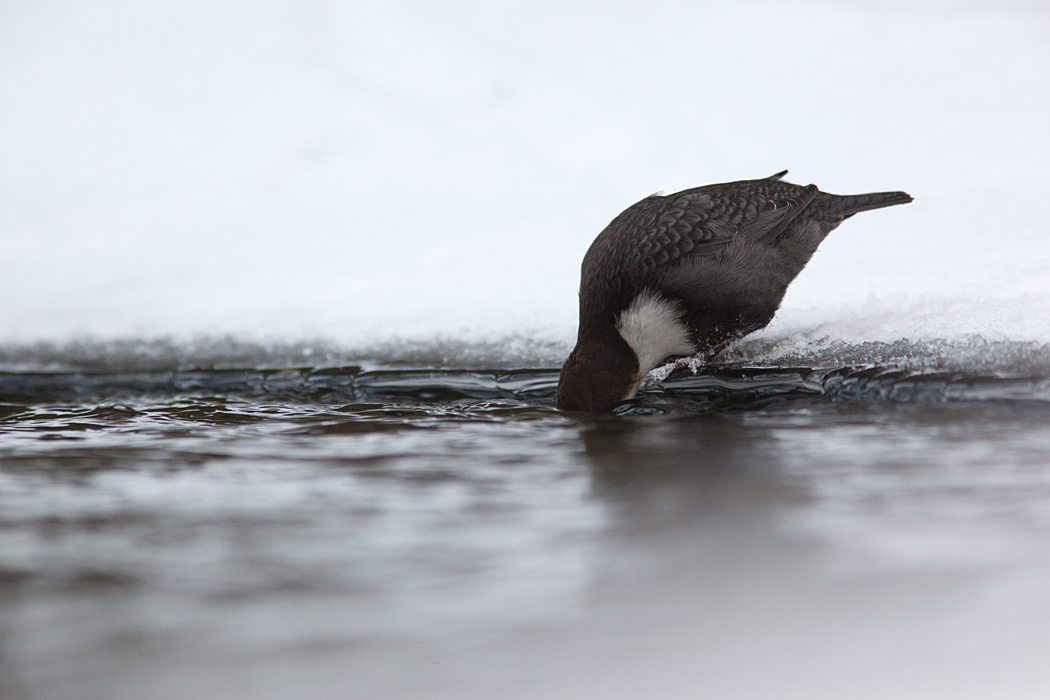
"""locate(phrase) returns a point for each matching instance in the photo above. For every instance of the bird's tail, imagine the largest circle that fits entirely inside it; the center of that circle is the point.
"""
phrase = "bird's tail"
(847, 206)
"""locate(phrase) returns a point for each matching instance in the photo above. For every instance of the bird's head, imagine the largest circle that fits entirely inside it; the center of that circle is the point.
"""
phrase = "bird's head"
(598, 376)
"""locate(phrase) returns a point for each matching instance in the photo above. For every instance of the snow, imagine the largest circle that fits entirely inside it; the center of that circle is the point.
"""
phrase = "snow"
(362, 172)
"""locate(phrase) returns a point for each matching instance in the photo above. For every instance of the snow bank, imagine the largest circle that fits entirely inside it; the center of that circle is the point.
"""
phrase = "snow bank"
(361, 173)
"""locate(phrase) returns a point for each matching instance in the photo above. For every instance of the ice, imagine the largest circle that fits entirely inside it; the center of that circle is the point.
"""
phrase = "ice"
(362, 173)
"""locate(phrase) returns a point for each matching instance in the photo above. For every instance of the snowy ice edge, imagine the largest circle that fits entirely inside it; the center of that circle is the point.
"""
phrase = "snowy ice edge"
(971, 354)
(230, 352)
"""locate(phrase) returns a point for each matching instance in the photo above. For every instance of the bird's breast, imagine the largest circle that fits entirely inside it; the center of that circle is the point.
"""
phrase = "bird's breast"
(652, 325)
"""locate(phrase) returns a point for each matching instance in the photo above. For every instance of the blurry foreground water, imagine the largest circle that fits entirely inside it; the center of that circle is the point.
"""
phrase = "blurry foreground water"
(850, 531)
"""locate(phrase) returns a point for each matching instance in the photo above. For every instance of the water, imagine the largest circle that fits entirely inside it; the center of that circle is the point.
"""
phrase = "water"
(349, 532)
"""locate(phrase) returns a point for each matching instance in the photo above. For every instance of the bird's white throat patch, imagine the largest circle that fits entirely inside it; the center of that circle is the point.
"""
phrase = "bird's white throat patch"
(653, 327)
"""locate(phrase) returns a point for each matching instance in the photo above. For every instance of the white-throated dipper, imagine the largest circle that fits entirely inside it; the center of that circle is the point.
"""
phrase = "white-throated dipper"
(690, 273)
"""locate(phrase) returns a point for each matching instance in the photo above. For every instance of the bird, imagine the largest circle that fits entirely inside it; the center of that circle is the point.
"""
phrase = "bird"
(687, 274)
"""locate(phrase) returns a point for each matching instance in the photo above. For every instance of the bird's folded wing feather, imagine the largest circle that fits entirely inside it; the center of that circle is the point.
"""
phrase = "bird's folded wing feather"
(699, 224)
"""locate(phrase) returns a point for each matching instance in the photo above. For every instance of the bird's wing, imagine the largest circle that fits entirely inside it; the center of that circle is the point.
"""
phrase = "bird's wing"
(702, 222)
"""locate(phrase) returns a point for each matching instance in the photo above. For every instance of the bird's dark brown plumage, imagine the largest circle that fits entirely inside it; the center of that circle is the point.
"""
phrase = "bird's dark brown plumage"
(723, 254)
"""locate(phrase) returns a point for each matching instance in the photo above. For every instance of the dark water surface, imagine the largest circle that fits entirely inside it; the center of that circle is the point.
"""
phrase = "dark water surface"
(846, 532)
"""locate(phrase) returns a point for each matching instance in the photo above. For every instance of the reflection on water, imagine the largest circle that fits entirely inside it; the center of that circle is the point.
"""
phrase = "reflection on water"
(758, 533)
